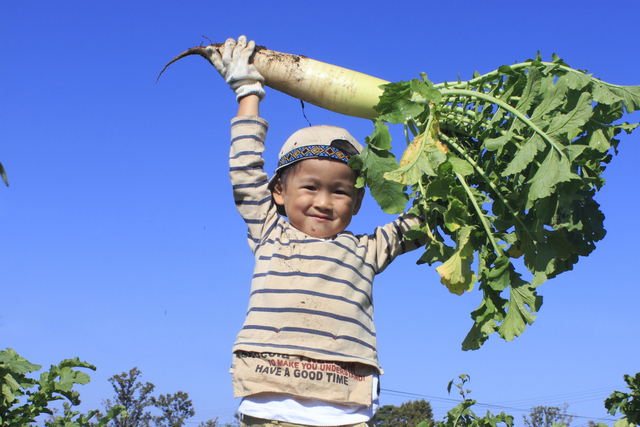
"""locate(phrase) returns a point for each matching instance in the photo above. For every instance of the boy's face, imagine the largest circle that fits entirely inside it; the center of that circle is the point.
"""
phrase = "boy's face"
(319, 197)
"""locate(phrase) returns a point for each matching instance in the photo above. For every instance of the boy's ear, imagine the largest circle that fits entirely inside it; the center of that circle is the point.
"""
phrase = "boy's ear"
(359, 197)
(278, 193)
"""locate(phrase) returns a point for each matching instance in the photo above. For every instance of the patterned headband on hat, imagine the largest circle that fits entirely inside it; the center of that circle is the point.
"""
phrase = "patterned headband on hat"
(311, 151)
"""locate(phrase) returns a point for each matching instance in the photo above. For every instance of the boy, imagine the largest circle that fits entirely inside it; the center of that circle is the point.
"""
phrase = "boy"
(306, 354)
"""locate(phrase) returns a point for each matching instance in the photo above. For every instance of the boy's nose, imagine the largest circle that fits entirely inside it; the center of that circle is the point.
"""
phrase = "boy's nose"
(323, 200)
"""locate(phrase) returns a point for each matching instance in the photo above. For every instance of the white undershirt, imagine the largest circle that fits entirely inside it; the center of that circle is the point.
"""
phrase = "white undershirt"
(313, 412)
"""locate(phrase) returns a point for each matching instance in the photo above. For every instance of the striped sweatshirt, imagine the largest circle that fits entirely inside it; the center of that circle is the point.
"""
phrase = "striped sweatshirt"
(309, 297)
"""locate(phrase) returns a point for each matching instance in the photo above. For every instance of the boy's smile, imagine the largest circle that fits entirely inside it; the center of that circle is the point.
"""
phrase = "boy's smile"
(319, 197)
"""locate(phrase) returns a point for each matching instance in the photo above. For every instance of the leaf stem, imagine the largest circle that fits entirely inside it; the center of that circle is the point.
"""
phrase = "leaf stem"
(512, 110)
(483, 219)
(424, 202)
(488, 181)
(406, 134)
(480, 80)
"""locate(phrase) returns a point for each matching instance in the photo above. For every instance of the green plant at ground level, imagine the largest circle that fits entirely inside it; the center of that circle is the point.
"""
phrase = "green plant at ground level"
(55, 384)
(71, 418)
(627, 403)
(541, 416)
(463, 416)
(503, 165)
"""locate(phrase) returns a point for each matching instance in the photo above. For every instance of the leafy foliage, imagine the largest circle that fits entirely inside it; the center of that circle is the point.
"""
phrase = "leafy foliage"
(463, 416)
(408, 414)
(627, 403)
(215, 423)
(134, 396)
(55, 384)
(502, 166)
(540, 416)
(137, 398)
(175, 409)
(547, 416)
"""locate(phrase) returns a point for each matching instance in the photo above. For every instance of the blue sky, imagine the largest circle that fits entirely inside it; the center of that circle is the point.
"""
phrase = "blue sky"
(120, 243)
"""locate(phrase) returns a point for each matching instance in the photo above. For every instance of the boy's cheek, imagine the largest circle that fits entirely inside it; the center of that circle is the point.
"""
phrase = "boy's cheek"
(358, 202)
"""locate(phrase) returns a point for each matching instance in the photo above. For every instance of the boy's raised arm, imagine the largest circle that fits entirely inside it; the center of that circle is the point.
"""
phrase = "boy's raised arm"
(249, 106)
(243, 77)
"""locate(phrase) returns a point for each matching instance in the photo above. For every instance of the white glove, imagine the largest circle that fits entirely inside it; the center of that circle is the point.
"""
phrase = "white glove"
(235, 68)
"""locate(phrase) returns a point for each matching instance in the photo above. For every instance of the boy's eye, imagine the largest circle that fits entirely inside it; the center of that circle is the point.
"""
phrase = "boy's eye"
(309, 187)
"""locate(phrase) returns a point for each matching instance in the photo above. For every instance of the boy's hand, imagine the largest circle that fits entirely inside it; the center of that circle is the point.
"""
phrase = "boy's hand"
(234, 66)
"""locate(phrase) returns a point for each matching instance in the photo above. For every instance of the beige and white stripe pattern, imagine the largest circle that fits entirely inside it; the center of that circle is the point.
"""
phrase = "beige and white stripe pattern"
(309, 297)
